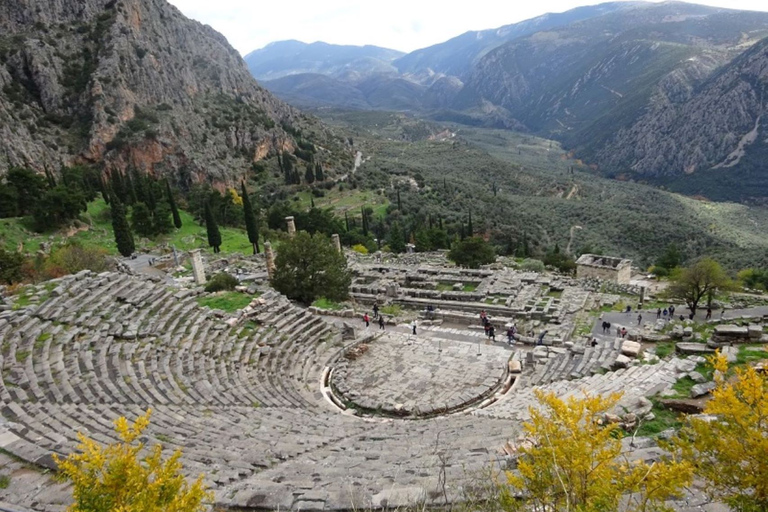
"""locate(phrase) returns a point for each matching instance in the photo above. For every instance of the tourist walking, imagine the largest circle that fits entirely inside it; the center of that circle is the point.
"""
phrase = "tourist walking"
(664, 313)
(376, 310)
(413, 326)
(658, 313)
(593, 343)
(492, 333)
(639, 319)
(671, 311)
(618, 331)
(367, 320)
(629, 309)
(483, 318)
(709, 313)
(511, 335)
(623, 332)
(381, 322)
(541, 337)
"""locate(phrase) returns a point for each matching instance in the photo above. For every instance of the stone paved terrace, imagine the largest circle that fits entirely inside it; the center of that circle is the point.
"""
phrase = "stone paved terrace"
(417, 376)
(243, 397)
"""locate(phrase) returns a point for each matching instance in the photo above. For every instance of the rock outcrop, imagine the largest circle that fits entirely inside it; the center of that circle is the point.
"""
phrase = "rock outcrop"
(133, 83)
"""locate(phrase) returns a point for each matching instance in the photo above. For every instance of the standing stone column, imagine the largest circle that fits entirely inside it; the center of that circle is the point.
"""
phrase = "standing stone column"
(291, 226)
(270, 259)
(336, 242)
(198, 269)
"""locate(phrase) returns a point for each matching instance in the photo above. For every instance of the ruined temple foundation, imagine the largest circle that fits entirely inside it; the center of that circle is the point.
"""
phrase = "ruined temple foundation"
(607, 268)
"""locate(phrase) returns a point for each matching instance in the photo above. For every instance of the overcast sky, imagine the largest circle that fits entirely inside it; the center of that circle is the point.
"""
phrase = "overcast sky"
(404, 25)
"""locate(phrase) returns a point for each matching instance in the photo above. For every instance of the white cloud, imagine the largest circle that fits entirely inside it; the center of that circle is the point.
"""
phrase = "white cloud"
(400, 24)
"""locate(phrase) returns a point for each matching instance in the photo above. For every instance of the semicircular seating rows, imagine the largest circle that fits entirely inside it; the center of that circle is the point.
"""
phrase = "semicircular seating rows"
(243, 402)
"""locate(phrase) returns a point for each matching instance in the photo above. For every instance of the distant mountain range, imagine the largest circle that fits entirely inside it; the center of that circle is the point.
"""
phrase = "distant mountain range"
(664, 92)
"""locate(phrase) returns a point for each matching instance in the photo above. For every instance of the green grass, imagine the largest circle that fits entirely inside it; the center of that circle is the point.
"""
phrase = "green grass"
(190, 236)
(226, 301)
(163, 438)
(448, 287)
(683, 385)
(750, 353)
(324, 303)
(664, 348)
(5, 481)
(22, 355)
(347, 200)
(663, 419)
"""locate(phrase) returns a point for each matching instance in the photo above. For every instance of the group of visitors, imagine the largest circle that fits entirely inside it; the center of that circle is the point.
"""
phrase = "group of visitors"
(380, 318)
(667, 311)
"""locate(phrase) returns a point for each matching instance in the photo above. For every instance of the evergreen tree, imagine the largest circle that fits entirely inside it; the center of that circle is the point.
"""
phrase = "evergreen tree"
(123, 236)
(309, 267)
(311, 201)
(396, 239)
(212, 229)
(117, 185)
(399, 204)
(149, 193)
(141, 220)
(319, 175)
(162, 222)
(103, 189)
(346, 221)
(309, 175)
(470, 229)
(251, 223)
(365, 221)
(130, 189)
(172, 204)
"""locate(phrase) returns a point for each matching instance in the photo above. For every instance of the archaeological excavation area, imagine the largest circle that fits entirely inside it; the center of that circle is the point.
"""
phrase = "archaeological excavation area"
(283, 407)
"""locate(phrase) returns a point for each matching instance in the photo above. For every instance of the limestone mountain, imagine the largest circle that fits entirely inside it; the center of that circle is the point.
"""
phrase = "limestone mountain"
(457, 56)
(133, 83)
(351, 63)
(714, 137)
(610, 87)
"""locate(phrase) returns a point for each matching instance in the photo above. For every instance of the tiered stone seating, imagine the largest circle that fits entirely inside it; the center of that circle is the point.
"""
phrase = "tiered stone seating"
(565, 364)
(243, 400)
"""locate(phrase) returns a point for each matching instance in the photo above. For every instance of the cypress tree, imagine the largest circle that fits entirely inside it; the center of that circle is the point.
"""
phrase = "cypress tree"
(103, 188)
(346, 221)
(172, 204)
(470, 230)
(149, 185)
(118, 186)
(251, 224)
(130, 189)
(309, 175)
(440, 222)
(319, 175)
(311, 201)
(365, 221)
(212, 229)
(123, 235)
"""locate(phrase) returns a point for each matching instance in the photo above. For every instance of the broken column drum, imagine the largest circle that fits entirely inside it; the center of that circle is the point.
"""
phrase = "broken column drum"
(270, 255)
(198, 269)
(291, 226)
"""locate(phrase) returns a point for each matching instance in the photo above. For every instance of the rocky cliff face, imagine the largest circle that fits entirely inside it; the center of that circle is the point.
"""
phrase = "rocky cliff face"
(715, 126)
(133, 83)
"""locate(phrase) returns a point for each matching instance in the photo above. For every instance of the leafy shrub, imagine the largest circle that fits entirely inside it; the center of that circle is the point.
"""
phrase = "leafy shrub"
(532, 265)
(72, 258)
(221, 281)
(359, 248)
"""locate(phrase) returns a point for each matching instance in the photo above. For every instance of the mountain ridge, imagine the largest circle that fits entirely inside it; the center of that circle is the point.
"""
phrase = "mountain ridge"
(134, 84)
